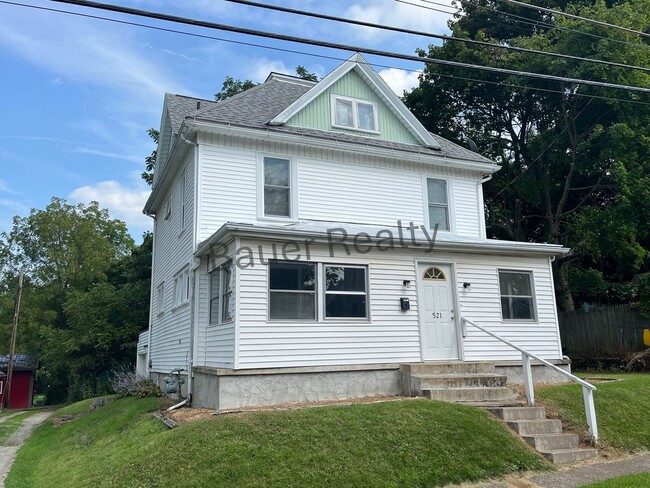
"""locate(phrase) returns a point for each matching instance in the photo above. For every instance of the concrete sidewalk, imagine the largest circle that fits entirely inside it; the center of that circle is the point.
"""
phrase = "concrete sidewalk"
(574, 477)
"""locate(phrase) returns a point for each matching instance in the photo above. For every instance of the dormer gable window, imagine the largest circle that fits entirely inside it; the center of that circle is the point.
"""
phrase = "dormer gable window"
(354, 114)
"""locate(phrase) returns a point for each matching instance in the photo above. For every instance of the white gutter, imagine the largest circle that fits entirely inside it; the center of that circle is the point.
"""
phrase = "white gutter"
(321, 237)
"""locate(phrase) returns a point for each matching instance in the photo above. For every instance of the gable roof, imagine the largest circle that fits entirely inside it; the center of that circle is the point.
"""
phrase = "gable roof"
(359, 64)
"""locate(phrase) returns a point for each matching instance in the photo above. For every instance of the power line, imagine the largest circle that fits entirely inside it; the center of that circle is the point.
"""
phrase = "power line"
(577, 17)
(403, 30)
(344, 47)
(304, 53)
(534, 23)
(321, 56)
(431, 8)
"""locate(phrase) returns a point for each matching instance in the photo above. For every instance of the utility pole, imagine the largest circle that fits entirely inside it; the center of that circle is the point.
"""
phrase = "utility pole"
(14, 333)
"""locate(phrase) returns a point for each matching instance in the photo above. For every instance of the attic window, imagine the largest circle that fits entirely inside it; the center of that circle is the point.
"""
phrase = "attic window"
(355, 114)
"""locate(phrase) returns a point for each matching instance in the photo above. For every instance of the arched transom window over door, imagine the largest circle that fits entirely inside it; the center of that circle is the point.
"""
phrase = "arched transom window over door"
(433, 273)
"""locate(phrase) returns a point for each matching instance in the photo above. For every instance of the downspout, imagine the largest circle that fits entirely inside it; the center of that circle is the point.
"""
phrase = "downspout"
(153, 261)
(195, 266)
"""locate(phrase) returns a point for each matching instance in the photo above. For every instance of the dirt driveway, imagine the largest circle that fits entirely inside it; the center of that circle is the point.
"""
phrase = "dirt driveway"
(8, 452)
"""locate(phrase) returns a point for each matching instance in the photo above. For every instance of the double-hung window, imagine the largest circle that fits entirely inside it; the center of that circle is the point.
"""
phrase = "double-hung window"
(292, 291)
(517, 298)
(345, 292)
(182, 287)
(160, 299)
(438, 203)
(312, 291)
(277, 187)
(222, 284)
(181, 200)
(351, 113)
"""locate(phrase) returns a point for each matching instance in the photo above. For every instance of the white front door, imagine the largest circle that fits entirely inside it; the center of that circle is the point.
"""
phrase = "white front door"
(436, 311)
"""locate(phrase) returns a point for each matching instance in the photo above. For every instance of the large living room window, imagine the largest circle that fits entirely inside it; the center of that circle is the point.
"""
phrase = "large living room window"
(316, 291)
(517, 298)
(292, 291)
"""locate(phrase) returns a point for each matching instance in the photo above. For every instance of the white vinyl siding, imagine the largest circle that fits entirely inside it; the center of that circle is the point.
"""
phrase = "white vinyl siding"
(392, 335)
(170, 333)
(330, 186)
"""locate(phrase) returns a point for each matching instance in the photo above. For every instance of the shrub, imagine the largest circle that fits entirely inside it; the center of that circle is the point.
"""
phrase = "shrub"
(126, 382)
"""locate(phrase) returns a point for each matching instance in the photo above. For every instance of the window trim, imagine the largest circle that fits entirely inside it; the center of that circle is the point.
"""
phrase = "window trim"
(293, 188)
(182, 210)
(533, 296)
(168, 208)
(320, 294)
(184, 299)
(355, 113)
(450, 202)
(220, 294)
(365, 293)
(160, 299)
(315, 292)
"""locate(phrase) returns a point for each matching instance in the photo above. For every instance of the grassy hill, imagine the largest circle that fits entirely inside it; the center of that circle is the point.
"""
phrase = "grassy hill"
(413, 443)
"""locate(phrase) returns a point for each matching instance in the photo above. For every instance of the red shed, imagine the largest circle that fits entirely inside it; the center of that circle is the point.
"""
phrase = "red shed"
(22, 380)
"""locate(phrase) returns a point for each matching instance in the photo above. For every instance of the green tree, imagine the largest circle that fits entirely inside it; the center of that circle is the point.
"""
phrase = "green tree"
(566, 157)
(150, 161)
(66, 251)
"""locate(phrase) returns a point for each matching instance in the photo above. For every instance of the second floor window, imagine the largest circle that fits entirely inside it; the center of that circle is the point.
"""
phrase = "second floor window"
(438, 204)
(277, 187)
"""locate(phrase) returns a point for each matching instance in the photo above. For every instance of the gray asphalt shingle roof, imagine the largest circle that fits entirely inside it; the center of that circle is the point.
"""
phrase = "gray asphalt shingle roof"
(255, 107)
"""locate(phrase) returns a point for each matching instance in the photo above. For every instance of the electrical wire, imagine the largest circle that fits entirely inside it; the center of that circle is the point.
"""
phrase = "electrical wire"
(403, 30)
(538, 23)
(576, 17)
(344, 47)
(314, 55)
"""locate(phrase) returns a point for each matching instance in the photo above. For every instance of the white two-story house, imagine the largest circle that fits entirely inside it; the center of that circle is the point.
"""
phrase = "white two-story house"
(310, 238)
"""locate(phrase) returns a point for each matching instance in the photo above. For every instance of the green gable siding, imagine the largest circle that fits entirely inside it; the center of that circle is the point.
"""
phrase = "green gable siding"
(317, 114)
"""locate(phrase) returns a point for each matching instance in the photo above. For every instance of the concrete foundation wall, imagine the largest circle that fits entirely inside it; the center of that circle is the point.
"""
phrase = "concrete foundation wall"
(223, 389)
(542, 374)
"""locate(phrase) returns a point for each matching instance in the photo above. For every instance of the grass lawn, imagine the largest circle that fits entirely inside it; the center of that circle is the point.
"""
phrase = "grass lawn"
(641, 480)
(621, 408)
(414, 443)
(9, 426)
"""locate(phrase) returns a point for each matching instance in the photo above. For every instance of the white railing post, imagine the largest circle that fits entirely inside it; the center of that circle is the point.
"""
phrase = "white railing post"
(528, 379)
(587, 388)
(590, 412)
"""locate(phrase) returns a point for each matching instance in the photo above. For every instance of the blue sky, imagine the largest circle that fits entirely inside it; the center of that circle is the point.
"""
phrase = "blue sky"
(78, 94)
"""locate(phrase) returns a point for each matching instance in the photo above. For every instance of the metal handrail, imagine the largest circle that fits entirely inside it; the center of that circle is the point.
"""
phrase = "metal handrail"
(587, 388)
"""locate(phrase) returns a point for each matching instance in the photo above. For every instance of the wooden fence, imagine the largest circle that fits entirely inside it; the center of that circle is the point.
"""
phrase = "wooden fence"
(603, 332)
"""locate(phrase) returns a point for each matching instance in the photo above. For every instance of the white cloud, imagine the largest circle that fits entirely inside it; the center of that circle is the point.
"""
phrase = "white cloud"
(123, 202)
(400, 80)
(5, 188)
(84, 52)
(260, 68)
(14, 206)
(391, 13)
(107, 154)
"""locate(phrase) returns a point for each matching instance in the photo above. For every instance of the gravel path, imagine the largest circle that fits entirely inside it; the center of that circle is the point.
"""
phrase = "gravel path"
(575, 476)
(8, 452)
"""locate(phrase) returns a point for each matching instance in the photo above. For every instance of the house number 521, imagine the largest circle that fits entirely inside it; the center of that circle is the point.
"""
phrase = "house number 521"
(437, 315)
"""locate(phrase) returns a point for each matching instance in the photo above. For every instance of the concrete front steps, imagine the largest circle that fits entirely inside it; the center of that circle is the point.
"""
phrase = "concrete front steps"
(544, 435)
(472, 383)
(477, 384)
